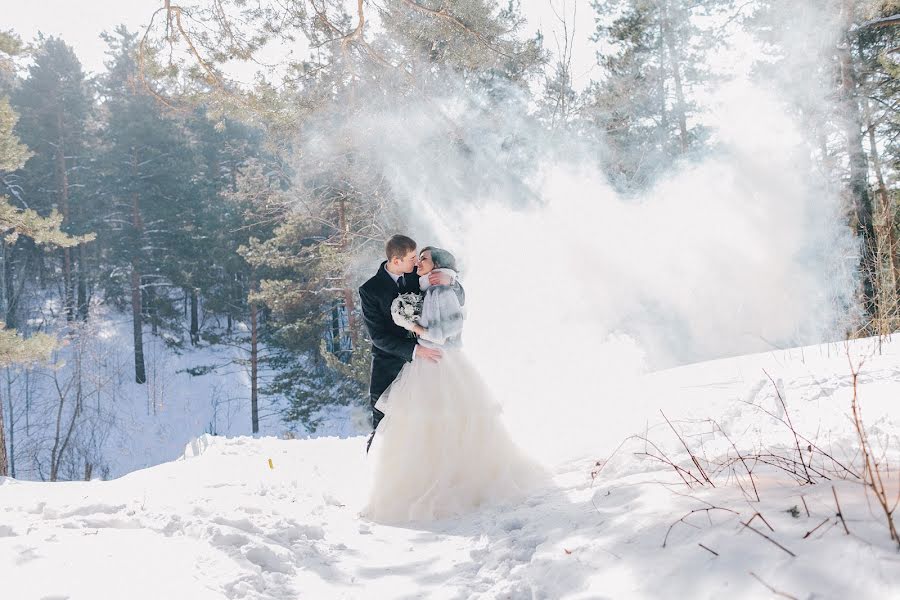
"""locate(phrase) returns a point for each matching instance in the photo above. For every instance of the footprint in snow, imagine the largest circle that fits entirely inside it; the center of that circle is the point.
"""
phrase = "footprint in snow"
(510, 525)
(91, 509)
(269, 560)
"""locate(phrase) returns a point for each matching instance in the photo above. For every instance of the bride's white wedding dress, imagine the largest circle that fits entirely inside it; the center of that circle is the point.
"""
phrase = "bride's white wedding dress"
(441, 448)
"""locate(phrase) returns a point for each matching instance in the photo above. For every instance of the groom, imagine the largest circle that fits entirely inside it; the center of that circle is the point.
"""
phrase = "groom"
(392, 345)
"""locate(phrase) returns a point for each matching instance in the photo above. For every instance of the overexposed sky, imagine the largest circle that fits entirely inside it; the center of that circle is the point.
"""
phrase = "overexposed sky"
(80, 25)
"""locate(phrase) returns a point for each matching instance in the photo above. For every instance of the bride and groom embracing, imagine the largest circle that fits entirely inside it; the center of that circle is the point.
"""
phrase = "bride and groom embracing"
(438, 447)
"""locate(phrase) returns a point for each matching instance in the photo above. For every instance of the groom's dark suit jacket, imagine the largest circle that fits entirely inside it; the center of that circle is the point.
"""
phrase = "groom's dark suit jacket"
(392, 346)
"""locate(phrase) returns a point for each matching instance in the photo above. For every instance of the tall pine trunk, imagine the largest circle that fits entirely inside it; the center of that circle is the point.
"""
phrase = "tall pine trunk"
(335, 326)
(12, 431)
(889, 270)
(15, 275)
(661, 84)
(9, 286)
(140, 373)
(858, 186)
(82, 286)
(349, 302)
(195, 316)
(81, 271)
(152, 308)
(254, 365)
(675, 59)
(63, 187)
(4, 461)
(4, 458)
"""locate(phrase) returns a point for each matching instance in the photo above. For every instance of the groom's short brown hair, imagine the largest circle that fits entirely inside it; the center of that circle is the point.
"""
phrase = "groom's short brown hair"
(399, 246)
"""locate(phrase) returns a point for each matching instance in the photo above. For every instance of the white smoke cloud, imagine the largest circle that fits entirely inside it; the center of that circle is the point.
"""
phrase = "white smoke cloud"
(574, 290)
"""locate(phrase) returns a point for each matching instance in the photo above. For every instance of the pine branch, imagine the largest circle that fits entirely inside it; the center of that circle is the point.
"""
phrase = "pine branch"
(890, 21)
(442, 13)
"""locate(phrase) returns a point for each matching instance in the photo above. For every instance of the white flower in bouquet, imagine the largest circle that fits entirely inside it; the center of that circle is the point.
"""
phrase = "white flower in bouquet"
(406, 309)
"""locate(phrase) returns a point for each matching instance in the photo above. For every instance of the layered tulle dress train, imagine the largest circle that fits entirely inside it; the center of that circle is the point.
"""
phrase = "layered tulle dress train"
(442, 449)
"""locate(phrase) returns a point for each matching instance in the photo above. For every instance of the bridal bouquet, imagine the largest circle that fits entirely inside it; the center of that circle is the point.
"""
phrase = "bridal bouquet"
(406, 309)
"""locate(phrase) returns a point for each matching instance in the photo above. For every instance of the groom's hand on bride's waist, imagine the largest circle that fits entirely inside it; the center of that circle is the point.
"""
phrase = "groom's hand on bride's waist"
(425, 353)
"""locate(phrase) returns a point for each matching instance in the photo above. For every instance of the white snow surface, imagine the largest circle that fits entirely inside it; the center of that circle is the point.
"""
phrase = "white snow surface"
(220, 522)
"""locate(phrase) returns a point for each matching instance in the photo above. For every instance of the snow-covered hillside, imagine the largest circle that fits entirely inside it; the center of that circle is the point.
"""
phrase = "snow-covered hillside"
(273, 519)
(122, 426)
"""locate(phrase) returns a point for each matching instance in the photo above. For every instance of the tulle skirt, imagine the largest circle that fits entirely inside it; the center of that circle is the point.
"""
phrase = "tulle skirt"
(441, 448)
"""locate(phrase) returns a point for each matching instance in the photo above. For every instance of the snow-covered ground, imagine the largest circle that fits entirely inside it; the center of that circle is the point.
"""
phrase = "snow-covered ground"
(225, 522)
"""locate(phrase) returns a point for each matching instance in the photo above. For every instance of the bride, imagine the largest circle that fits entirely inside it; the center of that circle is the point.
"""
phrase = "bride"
(441, 449)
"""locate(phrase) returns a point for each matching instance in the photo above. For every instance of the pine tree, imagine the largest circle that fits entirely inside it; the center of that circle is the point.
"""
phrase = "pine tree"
(149, 191)
(15, 222)
(476, 40)
(253, 200)
(55, 103)
(644, 104)
(848, 105)
(869, 88)
(217, 228)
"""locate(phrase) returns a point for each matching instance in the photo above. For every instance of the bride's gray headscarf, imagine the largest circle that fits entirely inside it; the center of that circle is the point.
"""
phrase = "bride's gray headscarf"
(441, 258)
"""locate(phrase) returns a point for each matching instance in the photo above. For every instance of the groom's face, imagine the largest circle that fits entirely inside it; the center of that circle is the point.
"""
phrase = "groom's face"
(408, 263)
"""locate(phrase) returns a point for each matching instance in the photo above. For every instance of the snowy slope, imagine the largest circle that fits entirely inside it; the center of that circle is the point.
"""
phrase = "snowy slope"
(126, 426)
(221, 523)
